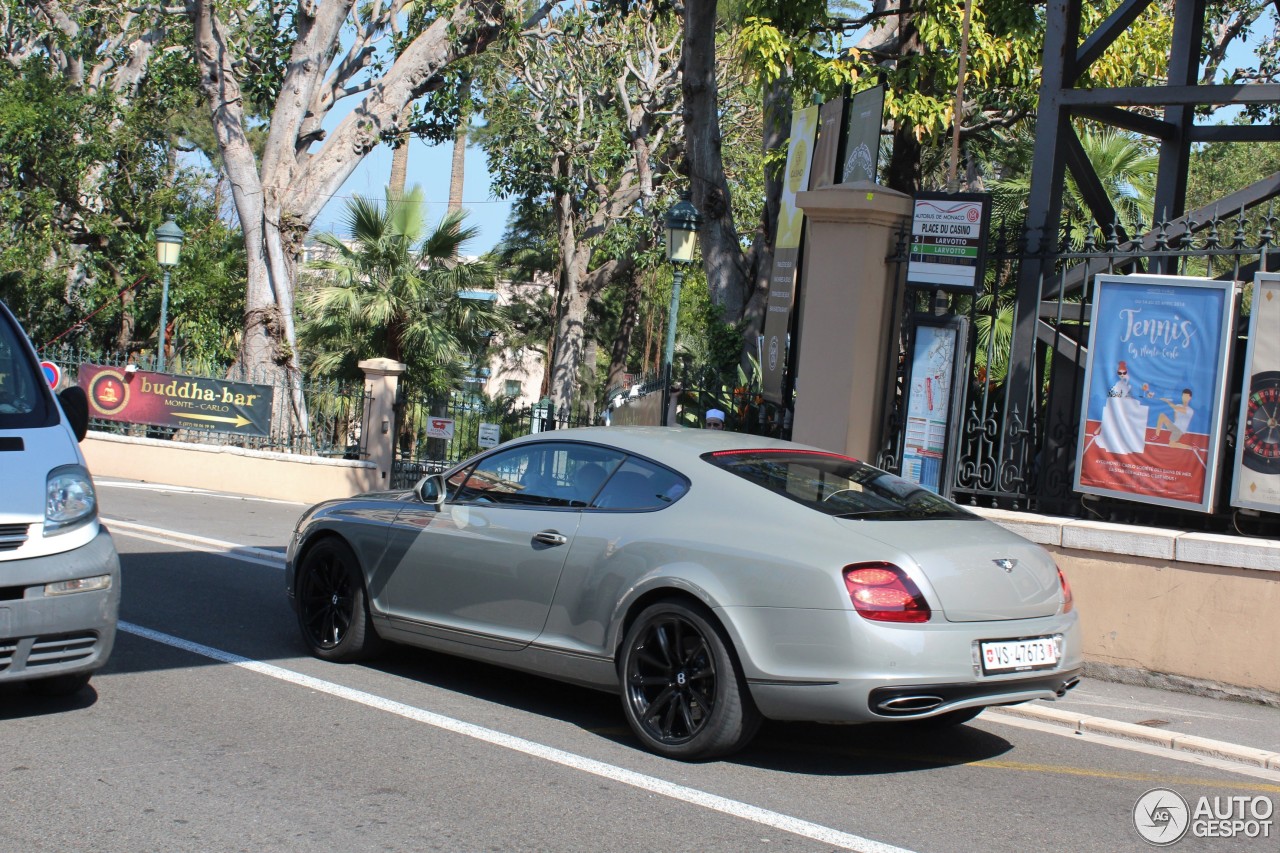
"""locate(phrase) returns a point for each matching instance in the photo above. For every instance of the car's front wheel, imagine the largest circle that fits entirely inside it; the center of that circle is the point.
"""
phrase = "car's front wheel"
(333, 609)
(682, 690)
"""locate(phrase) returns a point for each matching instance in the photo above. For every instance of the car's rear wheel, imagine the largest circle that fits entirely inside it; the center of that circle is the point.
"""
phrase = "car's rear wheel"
(333, 609)
(682, 690)
(59, 685)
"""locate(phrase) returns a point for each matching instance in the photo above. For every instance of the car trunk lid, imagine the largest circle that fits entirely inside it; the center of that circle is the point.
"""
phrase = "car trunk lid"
(979, 571)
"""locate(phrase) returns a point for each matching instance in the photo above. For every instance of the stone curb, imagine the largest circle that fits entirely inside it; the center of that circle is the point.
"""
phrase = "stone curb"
(1143, 734)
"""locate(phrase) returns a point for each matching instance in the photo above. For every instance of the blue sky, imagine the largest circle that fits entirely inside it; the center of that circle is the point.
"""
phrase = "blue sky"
(429, 167)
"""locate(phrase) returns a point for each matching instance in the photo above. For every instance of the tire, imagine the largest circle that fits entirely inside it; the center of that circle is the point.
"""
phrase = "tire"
(949, 720)
(682, 691)
(60, 685)
(333, 607)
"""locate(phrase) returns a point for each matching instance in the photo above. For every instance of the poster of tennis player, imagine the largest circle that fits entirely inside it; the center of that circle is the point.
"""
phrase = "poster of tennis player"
(1155, 389)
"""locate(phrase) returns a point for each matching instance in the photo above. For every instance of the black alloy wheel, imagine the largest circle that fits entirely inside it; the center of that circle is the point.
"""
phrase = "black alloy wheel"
(682, 692)
(332, 608)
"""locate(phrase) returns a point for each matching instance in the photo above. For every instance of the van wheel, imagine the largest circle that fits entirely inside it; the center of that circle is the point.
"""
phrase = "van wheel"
(333, 608)
(59, 685)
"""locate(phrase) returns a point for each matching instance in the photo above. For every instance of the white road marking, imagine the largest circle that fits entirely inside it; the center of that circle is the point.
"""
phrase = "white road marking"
(249, 554)
(162, 487)
(693, 796)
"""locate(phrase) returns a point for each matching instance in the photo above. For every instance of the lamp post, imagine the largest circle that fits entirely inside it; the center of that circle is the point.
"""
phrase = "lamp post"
(683, 220)
(168, 247)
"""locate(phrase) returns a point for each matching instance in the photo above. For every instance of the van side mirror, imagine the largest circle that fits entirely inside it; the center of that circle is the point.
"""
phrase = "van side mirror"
(432, 490)
(75, 403)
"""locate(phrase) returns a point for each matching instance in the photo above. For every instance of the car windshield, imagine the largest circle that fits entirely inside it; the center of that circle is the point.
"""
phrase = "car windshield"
(24, 398)
(836, 485)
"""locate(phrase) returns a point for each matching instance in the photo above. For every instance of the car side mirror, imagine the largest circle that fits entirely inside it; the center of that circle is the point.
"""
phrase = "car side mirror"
(75, 403)
(431, 490)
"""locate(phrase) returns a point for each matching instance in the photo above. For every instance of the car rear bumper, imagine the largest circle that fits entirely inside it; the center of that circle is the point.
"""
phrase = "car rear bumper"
(851, 702)
(43, 635)
(835, 666)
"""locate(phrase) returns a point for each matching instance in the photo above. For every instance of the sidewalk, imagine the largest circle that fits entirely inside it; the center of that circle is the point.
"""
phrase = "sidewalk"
(1237, 731)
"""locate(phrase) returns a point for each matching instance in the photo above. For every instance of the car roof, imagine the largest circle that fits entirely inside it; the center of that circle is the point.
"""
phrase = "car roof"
(679, 447)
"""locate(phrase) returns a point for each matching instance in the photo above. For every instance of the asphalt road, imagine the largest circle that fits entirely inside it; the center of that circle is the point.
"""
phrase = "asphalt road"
(212, 730)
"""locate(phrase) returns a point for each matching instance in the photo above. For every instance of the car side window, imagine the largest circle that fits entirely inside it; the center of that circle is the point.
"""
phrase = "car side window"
(545, 474)
(641, 485)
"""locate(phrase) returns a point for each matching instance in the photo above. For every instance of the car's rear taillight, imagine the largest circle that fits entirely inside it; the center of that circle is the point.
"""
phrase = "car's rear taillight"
(1067, 601)
(883, 592)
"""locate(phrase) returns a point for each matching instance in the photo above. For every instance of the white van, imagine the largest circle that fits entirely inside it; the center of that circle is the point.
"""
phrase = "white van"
(59, 572)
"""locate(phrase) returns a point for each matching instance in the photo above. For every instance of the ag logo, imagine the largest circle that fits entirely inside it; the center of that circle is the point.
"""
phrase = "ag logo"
(773, 353)
(1161, 817)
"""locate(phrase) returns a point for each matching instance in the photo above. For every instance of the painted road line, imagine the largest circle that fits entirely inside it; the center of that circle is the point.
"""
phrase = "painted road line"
(652, 784)
(1118, 734)
(259, 556)
(188, 490)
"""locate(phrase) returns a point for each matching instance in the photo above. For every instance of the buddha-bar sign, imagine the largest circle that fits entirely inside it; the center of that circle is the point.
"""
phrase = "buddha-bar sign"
(185, 402)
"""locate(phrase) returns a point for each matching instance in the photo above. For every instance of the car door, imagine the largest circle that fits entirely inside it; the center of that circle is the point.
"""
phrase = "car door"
(483, 567)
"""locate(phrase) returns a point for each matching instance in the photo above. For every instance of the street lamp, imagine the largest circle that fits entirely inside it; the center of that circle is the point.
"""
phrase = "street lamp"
(682, 237)
(168, 247)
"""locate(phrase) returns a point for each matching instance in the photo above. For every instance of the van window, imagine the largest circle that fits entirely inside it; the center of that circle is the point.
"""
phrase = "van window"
(25, 399)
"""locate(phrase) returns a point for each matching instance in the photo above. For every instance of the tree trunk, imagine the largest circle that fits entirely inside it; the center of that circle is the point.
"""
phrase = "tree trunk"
(903, 169)
(571, 312)
(279, 199)
(777, 130)
(626, 329)
(722, 257)
(400, 157)
(458, 170)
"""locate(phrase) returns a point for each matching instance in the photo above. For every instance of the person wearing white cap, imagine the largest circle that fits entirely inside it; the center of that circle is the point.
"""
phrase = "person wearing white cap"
(715, 419)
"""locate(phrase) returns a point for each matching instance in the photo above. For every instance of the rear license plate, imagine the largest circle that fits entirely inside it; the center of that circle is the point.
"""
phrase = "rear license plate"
(1019, 655)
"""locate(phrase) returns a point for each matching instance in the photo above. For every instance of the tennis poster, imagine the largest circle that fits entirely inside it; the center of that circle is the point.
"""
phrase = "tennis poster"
(1155, 389)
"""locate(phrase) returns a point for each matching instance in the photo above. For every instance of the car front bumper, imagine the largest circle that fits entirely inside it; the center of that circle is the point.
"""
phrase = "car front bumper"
(45, 635)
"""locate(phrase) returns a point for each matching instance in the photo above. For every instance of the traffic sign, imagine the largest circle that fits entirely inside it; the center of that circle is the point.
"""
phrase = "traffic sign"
(52, 373)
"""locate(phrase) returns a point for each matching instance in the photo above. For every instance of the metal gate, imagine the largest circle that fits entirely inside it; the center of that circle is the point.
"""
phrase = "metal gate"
(1020, 453)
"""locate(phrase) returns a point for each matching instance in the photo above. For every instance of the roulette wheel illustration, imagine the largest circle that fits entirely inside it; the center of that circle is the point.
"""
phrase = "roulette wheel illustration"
(1260, 430)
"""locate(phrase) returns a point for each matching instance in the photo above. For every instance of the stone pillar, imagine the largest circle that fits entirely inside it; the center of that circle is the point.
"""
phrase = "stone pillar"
(381, 379)
(847, 342)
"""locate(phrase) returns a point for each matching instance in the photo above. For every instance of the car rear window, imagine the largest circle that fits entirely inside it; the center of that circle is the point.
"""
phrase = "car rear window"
(836, 485)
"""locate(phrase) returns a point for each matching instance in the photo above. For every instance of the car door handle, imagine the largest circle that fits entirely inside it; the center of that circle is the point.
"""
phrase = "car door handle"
(550, 537)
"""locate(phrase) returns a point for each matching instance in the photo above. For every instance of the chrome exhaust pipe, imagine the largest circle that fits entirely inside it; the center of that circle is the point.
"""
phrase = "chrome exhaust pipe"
(909, 704)
(1067, 685)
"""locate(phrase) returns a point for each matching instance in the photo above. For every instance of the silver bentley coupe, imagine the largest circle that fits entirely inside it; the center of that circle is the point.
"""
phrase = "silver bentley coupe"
(712, 579)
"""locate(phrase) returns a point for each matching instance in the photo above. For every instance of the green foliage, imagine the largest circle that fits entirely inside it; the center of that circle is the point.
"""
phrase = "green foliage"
(1217, 170)
(85, 179)
(391, 290)
(1125, 165)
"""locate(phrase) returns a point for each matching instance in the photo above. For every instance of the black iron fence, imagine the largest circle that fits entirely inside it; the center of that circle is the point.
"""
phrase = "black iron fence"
(434, 432)
(1018, 453)
(335, 410)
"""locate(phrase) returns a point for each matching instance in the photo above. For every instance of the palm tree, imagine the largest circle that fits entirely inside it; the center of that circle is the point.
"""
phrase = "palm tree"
(391, 290)
(1125, 167)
